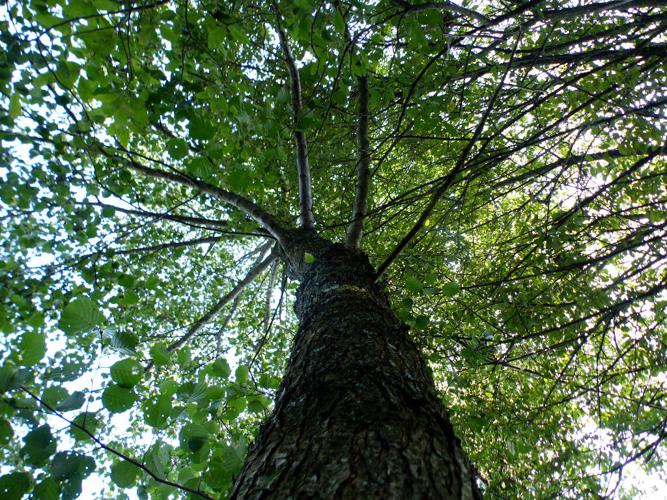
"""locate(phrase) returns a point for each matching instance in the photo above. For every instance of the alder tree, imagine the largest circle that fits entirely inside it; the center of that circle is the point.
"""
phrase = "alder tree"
(388, 249)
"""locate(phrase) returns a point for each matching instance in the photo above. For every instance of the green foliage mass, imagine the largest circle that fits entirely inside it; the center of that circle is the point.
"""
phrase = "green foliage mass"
(535, 286)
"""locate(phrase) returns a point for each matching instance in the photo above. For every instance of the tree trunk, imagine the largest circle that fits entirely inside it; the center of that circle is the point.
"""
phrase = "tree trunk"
(357, 415)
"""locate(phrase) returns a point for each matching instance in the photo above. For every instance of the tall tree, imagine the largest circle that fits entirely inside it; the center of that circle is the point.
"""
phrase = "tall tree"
(426, 238)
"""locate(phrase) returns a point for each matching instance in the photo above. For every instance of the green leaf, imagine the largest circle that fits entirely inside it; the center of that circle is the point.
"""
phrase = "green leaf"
(39, 446)
(160, 354)
(431, 279)
(216, 36)
(242, 374)
(184, 356)
(126, 373)
(201, 129)
(199, 167)
(73, 402)
(108, 211)
(67, 465)
(413, 284)
(450, 289)
(38, 437)
(232, 459)
(339, 22)
(193, 437)
(47, 489)
(220, 368)
(14, 485)
(124, 474)
(7, 377)
(15, 105)
(308, 258)
(239, 180)
(195, 443)
(178, 148)
(422, 321)
(233, 407)
(157, 457)
(130, 298)
(127, 280)
(257, 404)
(118, 399)
(168, 387)
(268, 381)
(87, 421)
(32, 347)
(124, 342)
(158, 410)
(6, 431)
(80, 315)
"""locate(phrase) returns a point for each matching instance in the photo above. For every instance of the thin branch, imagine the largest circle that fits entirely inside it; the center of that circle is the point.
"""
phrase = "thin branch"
(448, 180)
(155, 248)
(302, 164)
(269, 324)
(269, 293)
(231, 295)
(112, 450)
(356, 227)
(248, 207)
(594, 8)
(447, 6)
(183, 219)
(539, 60)
(225, 323)
(227, 298)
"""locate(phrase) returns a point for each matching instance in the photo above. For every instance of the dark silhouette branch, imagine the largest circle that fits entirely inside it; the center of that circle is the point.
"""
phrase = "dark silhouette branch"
(113, 451)
(446, 6)
(447, 181)
(183, 219)
(155, 248)
(540, 60)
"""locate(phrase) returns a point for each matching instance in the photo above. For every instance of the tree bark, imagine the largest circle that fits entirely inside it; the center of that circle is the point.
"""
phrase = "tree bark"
(357, 414)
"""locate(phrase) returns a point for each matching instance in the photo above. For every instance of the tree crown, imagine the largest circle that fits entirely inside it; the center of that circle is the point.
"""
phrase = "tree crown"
(502, 164)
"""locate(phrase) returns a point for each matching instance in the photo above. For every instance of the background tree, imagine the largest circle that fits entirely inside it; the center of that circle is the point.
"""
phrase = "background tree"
(503, 161)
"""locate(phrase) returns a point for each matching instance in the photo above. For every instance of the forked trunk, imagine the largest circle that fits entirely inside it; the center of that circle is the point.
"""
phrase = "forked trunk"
(357, 415)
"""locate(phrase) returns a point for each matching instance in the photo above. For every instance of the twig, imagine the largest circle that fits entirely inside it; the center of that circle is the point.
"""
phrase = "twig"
(217, 307)
(449, 178)
(112, 450)
(447, 6)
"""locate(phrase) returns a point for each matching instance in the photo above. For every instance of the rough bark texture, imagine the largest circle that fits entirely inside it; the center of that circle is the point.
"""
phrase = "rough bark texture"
(357, 415)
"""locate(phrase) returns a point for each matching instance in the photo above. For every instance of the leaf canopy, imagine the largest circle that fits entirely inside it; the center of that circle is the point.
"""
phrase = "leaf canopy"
(517, 206)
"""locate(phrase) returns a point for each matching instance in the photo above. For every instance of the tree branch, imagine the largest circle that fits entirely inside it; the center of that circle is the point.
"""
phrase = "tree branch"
(112, 450)
(228, 318)
(448, 180)
(183, 219)
(447, 6)
(356, 227)
(228, 297)
(248, 207)
(269, 294)
(302, 163)
(604, 54)
(155, 248)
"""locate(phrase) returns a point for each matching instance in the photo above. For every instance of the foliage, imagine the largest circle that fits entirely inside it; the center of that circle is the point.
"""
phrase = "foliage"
(517, 150)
